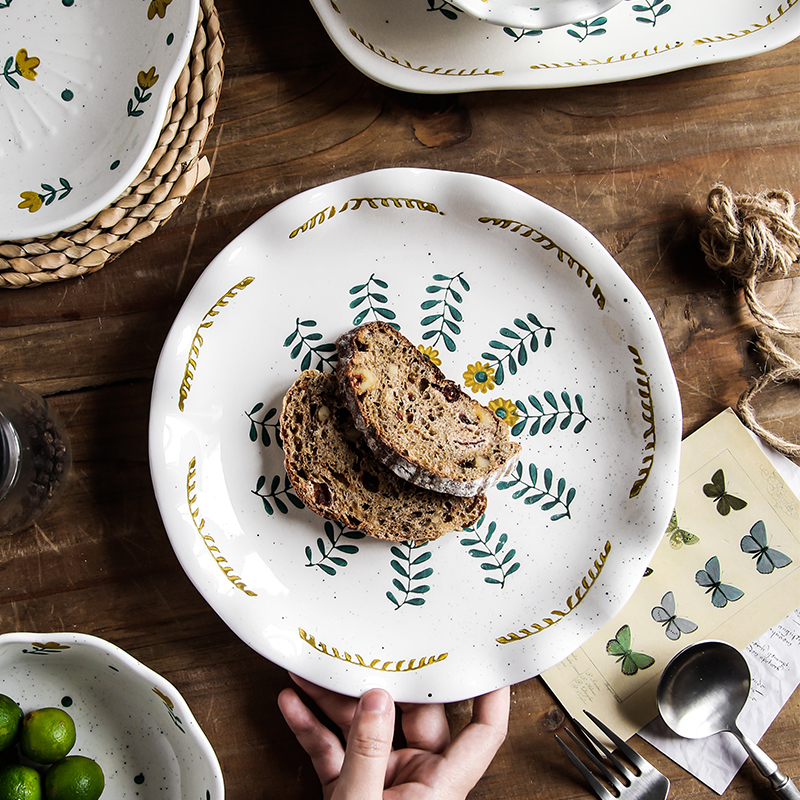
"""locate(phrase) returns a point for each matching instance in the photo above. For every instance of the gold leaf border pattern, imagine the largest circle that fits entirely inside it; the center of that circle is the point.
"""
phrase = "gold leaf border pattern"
(450, 72)
(372, 202)
(527, 232)
(376, 663)
(197, 340)
(573, 601)
(755, 28)
(199, 523)
(646, 395)
(598, 62)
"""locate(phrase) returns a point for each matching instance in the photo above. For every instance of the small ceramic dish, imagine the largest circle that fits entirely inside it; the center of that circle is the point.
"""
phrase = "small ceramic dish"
(129, 719)
(545, 14)
(84, 88)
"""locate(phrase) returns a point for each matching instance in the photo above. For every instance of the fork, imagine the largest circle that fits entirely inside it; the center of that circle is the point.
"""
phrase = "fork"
(649, 784)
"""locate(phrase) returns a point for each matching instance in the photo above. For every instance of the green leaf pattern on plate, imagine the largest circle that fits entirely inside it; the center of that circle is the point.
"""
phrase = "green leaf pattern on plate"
(549, 495)
(493, 559)
(332, 550)
(299, 341)
(447, 320)
(409, 567)
(544, 420)
(366, 293)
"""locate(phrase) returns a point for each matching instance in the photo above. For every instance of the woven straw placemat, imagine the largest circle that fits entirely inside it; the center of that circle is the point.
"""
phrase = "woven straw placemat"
(174, 168)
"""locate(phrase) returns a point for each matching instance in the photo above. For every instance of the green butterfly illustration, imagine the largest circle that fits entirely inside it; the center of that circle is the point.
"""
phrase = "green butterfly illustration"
(725, 501)
(678, 537)
(620, 646)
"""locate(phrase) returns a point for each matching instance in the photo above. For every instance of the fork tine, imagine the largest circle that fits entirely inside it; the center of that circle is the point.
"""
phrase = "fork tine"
(629, 753)
(610, 777)
(620, 767)
(600, 791)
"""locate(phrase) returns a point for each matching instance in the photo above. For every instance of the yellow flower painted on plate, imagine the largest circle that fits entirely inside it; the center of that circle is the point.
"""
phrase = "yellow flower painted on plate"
(26, 65)
(30, 200)
(504, 410)
(147, 80)
(479, 377)
(157, 8)
(432, 354)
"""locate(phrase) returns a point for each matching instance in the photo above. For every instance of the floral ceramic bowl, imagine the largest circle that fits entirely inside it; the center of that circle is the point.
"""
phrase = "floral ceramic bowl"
(84, 89)
(128, 719)
(545, 14)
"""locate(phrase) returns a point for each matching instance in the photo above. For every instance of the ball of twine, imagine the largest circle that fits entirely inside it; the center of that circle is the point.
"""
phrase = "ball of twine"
(754, 237)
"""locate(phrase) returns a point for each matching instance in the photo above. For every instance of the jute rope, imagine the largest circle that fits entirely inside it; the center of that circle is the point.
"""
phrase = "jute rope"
(754, 237)
(173, 170)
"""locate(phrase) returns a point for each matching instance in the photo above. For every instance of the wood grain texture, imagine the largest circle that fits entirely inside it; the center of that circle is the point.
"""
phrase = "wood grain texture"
(633, 162)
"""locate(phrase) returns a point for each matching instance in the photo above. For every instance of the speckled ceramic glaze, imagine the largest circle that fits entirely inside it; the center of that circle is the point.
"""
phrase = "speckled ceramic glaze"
(524, 14)
(535, 319)
(433, 46)
(84, 88)
(127, 718)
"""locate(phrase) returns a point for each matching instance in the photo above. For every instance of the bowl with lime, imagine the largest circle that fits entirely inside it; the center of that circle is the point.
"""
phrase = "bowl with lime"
(81, 719)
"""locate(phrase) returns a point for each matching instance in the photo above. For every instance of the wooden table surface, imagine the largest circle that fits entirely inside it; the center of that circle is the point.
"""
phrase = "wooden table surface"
(633, 162)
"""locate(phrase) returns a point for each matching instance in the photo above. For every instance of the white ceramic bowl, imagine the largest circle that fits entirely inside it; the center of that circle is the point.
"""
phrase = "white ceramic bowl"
(129, 719)
(534, 14)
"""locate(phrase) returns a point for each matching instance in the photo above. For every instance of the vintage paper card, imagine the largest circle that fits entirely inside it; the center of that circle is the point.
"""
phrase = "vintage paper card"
(726, 569)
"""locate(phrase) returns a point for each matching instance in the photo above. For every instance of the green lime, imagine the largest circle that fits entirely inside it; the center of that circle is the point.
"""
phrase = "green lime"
(10, 718)
(47, 735)
(74, 778)
(20, 783)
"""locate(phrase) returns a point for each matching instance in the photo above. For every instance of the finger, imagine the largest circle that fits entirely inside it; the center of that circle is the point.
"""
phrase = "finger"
(469, 754)
(322, 745)
(425, 726)
(369, 746)
(337, 707)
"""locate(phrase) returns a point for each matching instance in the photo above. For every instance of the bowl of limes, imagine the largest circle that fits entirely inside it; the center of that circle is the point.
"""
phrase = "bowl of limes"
(81, 719)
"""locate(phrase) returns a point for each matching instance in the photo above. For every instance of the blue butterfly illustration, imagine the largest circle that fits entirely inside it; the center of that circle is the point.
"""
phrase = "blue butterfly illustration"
(665, 614)
(767, 558)
(721, 593)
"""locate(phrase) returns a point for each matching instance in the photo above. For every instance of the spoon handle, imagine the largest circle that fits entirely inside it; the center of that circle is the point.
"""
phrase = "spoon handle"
(782, 784)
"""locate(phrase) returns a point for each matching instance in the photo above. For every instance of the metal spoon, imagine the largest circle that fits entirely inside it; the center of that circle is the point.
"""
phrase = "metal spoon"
(702, 691)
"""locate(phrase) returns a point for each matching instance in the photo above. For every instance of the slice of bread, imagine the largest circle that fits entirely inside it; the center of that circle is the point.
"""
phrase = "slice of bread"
(336, 475)
(417, 422)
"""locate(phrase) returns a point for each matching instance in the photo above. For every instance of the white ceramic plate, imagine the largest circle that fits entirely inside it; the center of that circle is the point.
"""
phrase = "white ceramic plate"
(84, 88)
(431, 46)
(129, 719)
(488, 277)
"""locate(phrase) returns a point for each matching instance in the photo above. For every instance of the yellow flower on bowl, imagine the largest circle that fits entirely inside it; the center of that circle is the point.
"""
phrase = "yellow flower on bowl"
(479, 377)
(432, 354)
(157, 8)
(147, 80)
(30, 200)
(26, 65)
(504, 410)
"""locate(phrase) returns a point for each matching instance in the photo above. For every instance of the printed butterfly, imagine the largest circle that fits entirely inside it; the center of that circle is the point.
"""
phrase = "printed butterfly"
(768, 558)
(721, 593)
(665, 614)
(620, 646)
(678, 537)
(716, 491)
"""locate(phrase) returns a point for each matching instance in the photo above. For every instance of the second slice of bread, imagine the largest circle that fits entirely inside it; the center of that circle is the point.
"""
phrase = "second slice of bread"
(336, 475)
(417, 422)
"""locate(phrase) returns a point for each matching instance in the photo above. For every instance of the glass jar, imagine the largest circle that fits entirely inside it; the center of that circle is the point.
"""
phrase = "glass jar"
(35, 457)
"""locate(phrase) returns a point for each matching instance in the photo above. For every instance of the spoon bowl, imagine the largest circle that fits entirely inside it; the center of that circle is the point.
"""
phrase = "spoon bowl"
(702, 691)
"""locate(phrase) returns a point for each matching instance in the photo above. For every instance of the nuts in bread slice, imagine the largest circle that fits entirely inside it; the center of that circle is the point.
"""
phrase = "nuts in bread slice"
(417, 422)
(336, 475)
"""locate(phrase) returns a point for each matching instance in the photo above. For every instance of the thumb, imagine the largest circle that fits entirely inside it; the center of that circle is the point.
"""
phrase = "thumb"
(369, 745)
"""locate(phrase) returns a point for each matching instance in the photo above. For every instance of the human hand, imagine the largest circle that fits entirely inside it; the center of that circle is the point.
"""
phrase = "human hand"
(431, 766)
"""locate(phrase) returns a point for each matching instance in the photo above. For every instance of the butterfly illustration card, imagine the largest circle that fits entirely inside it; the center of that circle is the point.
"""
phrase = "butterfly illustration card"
(726, 569)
